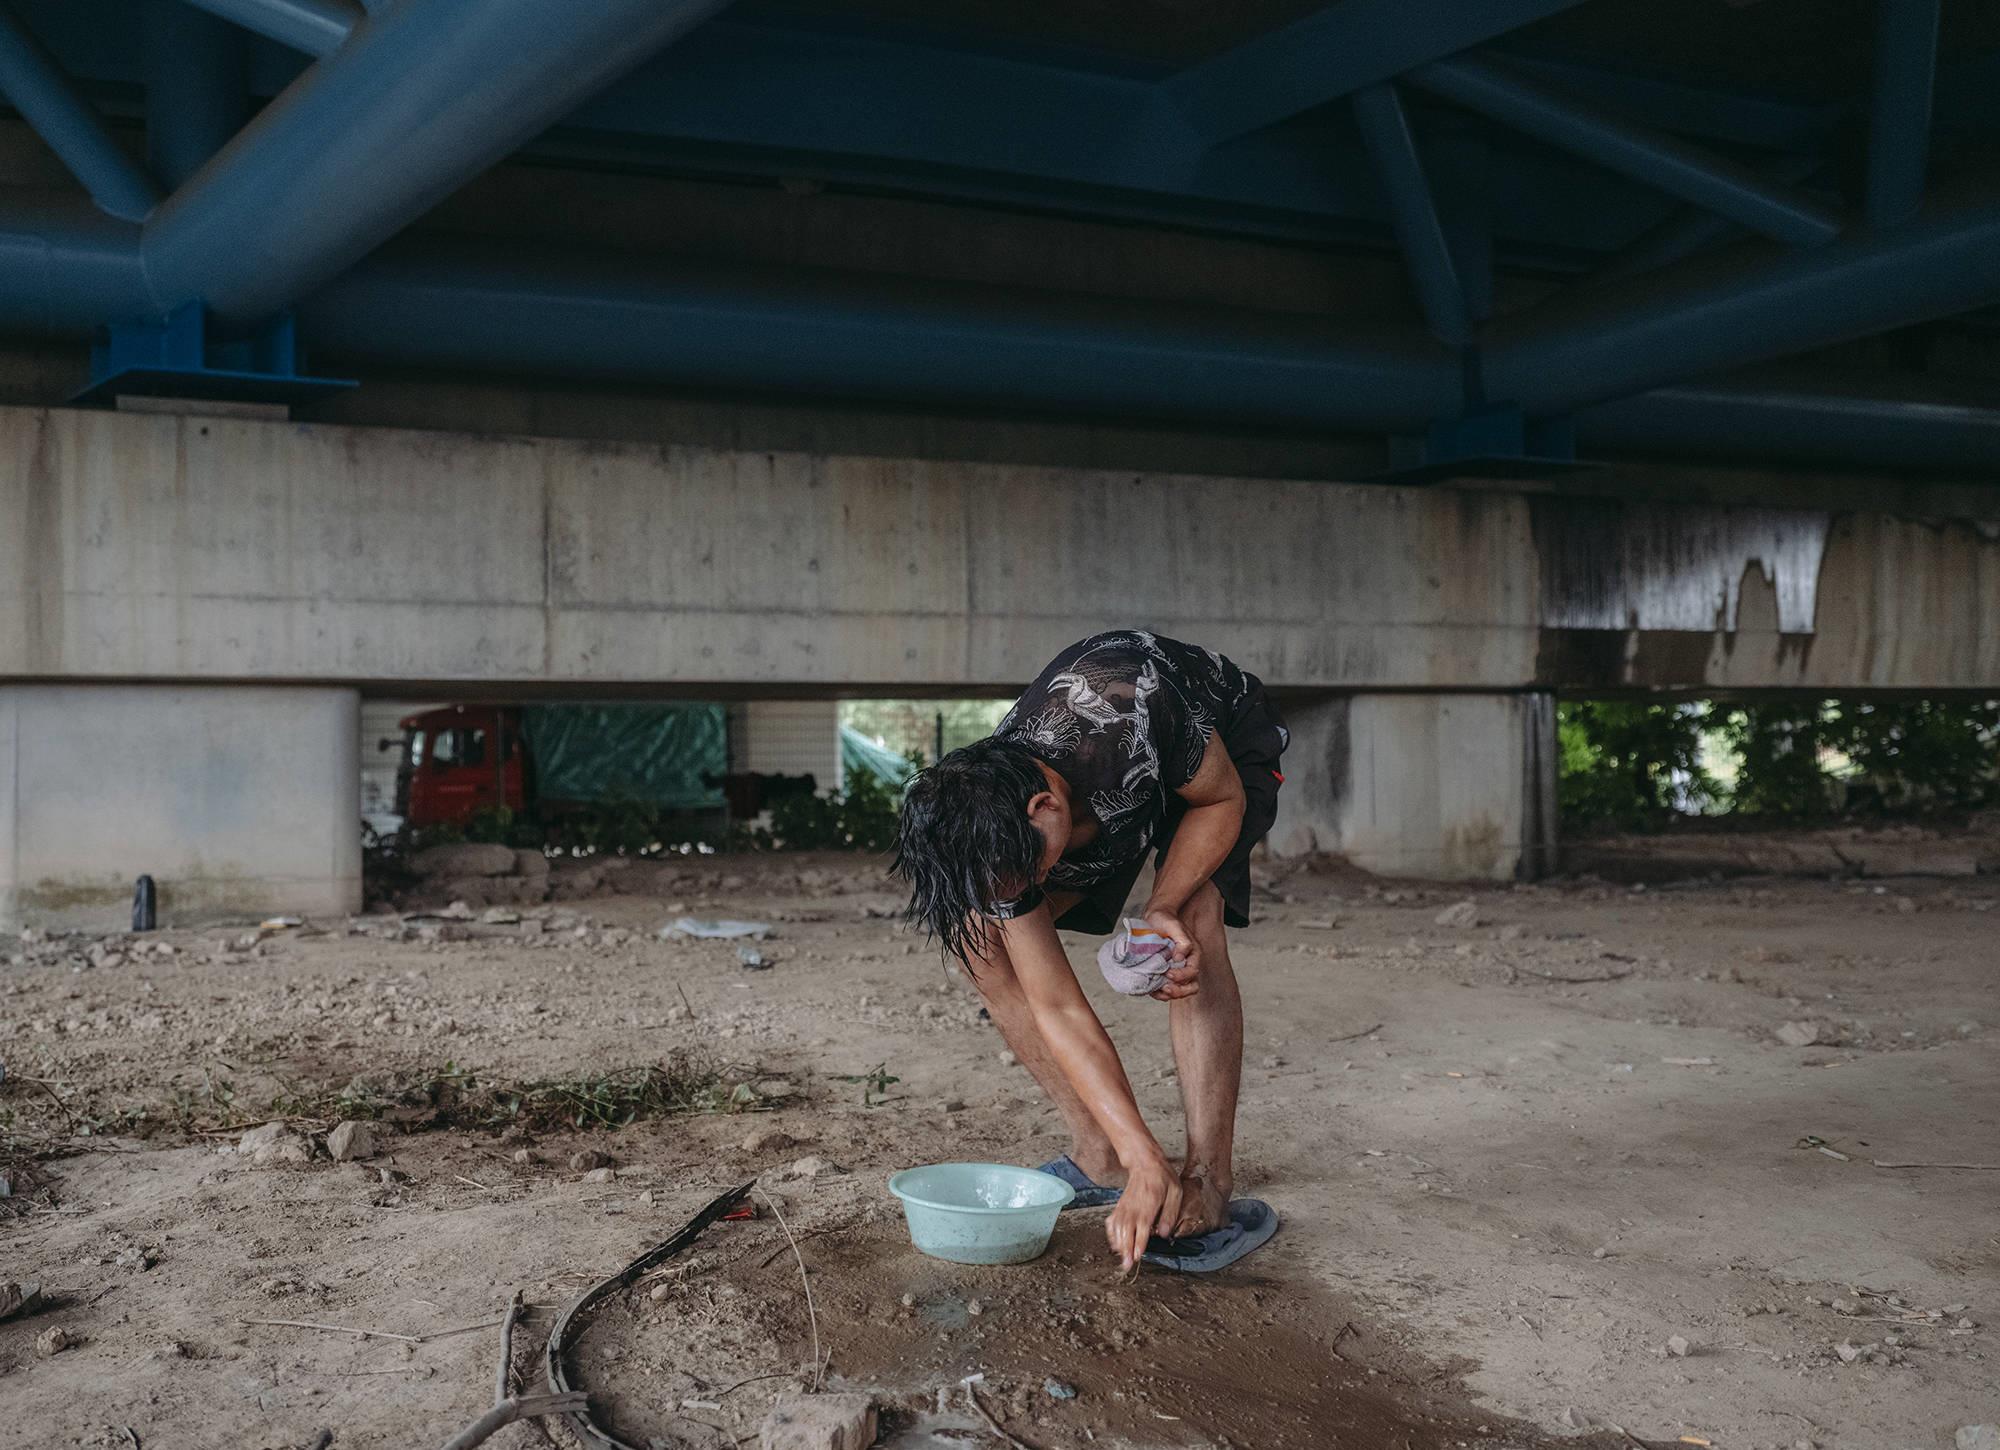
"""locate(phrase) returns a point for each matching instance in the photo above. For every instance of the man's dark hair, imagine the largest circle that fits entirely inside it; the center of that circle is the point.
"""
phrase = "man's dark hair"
(964, 840)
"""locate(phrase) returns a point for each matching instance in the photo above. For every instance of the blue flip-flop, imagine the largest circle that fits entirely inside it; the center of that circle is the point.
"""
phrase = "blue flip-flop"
(1251, 1224)
(1089, 1194)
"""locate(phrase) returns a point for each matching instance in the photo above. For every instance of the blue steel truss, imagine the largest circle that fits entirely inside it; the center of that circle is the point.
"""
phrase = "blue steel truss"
(1517, 155)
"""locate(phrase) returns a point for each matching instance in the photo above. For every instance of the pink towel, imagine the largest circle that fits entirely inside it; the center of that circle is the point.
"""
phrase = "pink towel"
(1136, 961)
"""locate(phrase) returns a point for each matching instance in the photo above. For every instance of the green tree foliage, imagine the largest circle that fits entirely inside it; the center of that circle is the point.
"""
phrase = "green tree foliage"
(911, 726)
(862, 817)
(1630, 765)
(1921, 755)
(1782, 769)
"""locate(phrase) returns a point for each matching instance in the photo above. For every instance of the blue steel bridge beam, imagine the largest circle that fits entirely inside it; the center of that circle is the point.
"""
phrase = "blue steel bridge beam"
(423, 97)
(197, 87)
(317, 27)
(1332, 53)
(1693, 229)
(1385, 128)
(1900, 122)
(65, 268)
(1650, 157)
(37, 88)
(1748, 304)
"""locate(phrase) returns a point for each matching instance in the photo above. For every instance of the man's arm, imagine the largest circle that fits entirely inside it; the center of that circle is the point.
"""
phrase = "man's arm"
(1083, 1050)
(1204, 839)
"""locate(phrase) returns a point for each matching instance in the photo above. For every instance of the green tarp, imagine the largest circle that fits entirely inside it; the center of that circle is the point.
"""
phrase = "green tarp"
(859, 753)
(653, 755)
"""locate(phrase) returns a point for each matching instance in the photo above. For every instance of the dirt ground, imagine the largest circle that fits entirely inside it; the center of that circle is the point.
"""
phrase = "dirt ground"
(1550, 1177)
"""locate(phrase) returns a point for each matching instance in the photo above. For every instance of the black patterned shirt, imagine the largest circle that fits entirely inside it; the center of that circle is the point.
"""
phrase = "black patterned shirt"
(1124, 717)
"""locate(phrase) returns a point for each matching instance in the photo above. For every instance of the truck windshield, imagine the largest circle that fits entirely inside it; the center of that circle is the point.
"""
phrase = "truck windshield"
(459, 747)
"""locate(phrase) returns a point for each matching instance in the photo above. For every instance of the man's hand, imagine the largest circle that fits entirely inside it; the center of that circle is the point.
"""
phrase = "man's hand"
(1151, 1205)
(1184, 980)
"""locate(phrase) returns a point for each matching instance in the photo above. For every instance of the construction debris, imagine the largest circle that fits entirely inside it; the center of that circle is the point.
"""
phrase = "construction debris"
(820, 1422)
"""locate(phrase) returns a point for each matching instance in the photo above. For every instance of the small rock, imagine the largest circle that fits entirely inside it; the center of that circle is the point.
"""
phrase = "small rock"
(1977, 1437)
(1460, 914)
(18, 1299)
(601, 1175)
(586, 1159)
(954, 1105)
(52, 1341)
(350, 1140)
(286, 1148)
(500, 916)
(261, 1136)
(1007, 1059)
(1574, 1419)
(768, 1140)
(1848, 1353)
(1678, 1346)
(1600, 1253)
(1798, 1034)
(1905, 905)
(810, 1167)
(819, 1422)
(752, 959)
(974, 1308)
(1055, 1389)
(525, 1155)
(1513, 931)
(1271, 1059)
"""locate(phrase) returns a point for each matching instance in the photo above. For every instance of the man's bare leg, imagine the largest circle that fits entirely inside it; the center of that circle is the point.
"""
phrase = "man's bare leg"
(993, 977)
(1208, 1053)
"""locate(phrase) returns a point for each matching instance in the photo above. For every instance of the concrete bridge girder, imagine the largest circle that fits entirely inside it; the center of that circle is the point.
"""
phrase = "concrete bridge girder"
(196, 560)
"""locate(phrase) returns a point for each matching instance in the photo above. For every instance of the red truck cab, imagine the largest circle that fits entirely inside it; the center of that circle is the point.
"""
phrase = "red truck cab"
(458, 761)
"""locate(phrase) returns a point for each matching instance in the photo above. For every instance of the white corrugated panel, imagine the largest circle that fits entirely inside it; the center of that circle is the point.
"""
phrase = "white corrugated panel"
(378, 767)
(787, 737)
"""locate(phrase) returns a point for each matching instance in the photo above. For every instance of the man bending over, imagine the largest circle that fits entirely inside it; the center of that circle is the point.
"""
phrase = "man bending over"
(1125, 743)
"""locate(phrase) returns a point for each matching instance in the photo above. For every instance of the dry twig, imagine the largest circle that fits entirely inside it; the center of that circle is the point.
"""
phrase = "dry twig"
(811, 1313)
(972, 1394)
(1968, 1167)
(336, 1329)
(1573, 981)
(374, 1333)
(1349, 1037)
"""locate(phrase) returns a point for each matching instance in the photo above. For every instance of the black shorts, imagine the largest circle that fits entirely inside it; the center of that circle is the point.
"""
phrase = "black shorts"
(1255, 742)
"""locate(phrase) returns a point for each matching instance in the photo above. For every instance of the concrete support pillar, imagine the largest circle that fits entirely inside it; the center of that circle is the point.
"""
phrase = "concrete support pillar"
(236, 800)
(1443, 787)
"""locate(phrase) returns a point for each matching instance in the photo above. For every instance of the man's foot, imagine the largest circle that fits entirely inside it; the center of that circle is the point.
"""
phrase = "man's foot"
(1250, 1227)
(1204, 1204)
(1090, 1192)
